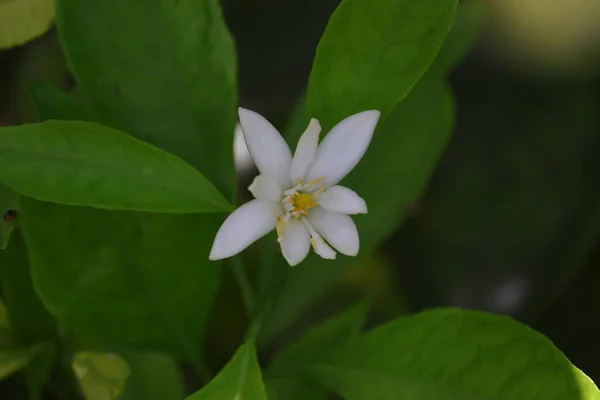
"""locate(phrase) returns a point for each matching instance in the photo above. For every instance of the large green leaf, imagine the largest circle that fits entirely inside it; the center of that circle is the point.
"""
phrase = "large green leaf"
(134, 279)
(84, 163)
(163, 71)
(240, 379)
(285, 378)
(372, 53)
(171, 82)
(24, 20)
(29, 320)
(392, 174)
(154, 376)
(451, 354)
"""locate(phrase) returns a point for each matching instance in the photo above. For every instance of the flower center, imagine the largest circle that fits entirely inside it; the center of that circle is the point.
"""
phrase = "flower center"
(302, 202)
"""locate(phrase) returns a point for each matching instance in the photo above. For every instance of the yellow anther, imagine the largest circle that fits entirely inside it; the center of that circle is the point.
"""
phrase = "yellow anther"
(302, 202)
(315, 181)
(300, 181)
(322, 188)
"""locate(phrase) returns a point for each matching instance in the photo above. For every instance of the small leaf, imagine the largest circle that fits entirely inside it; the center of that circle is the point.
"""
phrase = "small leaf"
(240, 379)
(450, 354)
(285, 378)
(372, 53)
(54, 104)
(100, 375)
(24, 20)
(87, 164)
(13, 360)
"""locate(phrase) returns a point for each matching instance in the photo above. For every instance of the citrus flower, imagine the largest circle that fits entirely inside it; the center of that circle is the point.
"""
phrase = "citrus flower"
(298, 196)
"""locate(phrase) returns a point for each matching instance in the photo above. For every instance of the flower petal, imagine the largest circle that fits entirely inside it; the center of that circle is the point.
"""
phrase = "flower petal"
(338, 229)
(265, 187)
(305, 151)
(322, 249)
(343, 200)
(269, 151)
(295, 242)
(243, 227)
(343, 147)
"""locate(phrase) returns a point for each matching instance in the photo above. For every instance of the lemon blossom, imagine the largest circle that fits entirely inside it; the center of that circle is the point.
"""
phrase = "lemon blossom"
(298, 196)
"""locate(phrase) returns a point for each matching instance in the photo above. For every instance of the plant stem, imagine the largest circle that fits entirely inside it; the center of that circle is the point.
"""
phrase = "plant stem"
(241, 276)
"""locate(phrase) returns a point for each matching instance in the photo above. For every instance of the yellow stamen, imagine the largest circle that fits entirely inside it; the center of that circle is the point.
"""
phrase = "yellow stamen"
(302, 202)
(315, 181)
(322, 188)
(300, 181)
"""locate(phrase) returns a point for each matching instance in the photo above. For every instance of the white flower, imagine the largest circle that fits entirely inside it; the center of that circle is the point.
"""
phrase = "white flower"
(299, 197)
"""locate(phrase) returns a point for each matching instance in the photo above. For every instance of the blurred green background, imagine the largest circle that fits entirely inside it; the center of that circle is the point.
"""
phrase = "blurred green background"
(510, 220)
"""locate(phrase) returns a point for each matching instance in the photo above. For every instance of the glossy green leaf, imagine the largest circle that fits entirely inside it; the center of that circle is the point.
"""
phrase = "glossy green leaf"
(392, 174)
(451, 354)
(177, 91)
(285, 378)
(155, 292)
(372, 53)
(29, 320)
(172, 82)
(24, 20)
(88, 164)
(154, 376)
(9, 200)
(240, 379)
(100, 375)
(470, 18)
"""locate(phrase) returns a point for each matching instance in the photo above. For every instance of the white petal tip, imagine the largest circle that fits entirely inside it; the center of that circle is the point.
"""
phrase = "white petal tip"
(215, 257)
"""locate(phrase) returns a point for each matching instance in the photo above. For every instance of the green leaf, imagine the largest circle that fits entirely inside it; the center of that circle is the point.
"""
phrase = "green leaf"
(154, 376)
(30, 321)
(177, 91)
(240, 379)
(372, 53)
(156, 293)
(13, 360)
(39, 370)
(451, 354)
(100, 375)
(399, 162)
(9, 200)
(471, 15)
(84, 163)
(24, 20)
(172, 82)
(54, 104)
(285, 377)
